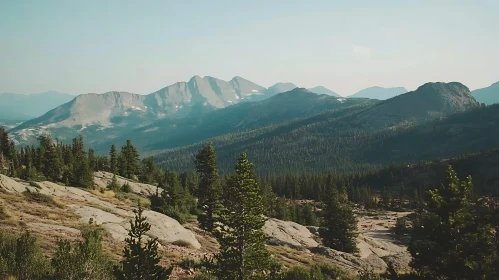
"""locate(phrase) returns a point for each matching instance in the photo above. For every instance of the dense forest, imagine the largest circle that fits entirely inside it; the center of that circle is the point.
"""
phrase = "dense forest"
(339, 141)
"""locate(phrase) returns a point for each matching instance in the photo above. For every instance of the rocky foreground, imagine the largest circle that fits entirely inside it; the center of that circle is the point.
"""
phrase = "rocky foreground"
(62, 212)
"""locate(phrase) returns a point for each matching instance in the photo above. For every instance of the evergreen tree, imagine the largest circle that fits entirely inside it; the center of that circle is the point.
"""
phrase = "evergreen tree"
(450, 241)
(92, 164)
(114, 184)
(242, 242)
(82, 260)
(339, 225)
(113, 160)
(209, 190)
(129, 163)
(51, 162)
(140, 261)
(82, 175)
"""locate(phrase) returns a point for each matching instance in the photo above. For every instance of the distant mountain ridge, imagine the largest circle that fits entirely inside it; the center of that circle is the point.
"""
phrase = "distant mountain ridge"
(27, 106)
(380, 93)
(488, 95)
(323, 90)
(347, 137)
(119, 112)
(282, 107)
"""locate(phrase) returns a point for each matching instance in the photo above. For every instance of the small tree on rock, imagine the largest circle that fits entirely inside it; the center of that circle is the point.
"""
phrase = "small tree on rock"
(140, 256)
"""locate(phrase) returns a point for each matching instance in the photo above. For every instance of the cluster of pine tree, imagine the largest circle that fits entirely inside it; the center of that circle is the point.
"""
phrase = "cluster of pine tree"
(234, 210)
(72, 164)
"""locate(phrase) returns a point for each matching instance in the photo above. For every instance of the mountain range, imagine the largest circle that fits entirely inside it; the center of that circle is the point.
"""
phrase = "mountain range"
(380, 93)
(115, 113)
(21, 107)
(358, 136)
(488, 95)
(282, 127)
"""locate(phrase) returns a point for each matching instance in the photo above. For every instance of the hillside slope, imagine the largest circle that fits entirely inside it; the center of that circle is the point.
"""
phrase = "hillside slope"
(283, 107)
(113, 113)
(362, 136)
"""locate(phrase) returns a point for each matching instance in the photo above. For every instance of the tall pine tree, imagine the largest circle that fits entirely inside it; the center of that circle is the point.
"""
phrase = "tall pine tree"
(339, 225)
(82, 175)
(113, 160)
(209, 190)
(242, 241)
(140, 261)
(450, 241)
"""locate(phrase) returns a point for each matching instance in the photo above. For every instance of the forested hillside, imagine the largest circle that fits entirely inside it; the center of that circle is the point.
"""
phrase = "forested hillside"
(445, 122)
(283, 107)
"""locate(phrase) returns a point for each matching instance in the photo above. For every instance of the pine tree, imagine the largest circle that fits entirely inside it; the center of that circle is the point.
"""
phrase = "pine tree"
(82, 260)
(339, 225)
(51, 163)
(82, 175)
(242, 242)
(114, 184)
(209, 190)
(140, 261)
(113, 160)
(91, 160)
(449, 241)
(130, 160)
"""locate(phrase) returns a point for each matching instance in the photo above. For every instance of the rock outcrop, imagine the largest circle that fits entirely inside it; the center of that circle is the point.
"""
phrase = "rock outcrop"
(378, 248)
(102, 179)
(92, 209)
(288, 233)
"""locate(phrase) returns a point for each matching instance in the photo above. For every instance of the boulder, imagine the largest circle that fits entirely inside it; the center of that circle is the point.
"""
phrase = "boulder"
(102, 179)
(289, 233)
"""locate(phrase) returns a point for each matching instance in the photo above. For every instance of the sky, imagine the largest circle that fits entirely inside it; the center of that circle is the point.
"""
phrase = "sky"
(141, 46)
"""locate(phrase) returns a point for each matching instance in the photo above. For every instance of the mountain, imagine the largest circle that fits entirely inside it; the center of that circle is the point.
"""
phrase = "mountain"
(283, 107)
(359, 137)
(323, 90)
(119, 112)
(27, 106)
(379, 92)
(429, 101)
(280, 87)
(488, 95)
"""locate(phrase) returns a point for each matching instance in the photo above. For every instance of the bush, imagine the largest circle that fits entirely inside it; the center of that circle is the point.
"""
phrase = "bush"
(321, 271)
(126, 188)
(21, 257)
(39, 197)
(402, 226)
(35, 184)
(82, 259)
(205, 276)
(188, 263)
(182, 243)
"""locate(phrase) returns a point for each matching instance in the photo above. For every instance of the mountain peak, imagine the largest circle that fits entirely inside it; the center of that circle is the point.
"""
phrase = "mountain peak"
(324, 90)
(381, 93)
(434, 86)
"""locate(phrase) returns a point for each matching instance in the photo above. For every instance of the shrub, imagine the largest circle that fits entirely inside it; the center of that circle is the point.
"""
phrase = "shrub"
(188, 263)
(402, 226)
(39, 197)
(21, 257)
(126, 188)
(35, 184)
(321, 271)
(182, 243)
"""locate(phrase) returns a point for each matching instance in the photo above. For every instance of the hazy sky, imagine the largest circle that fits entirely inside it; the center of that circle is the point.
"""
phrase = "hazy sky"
(141, 46)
